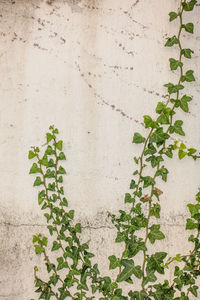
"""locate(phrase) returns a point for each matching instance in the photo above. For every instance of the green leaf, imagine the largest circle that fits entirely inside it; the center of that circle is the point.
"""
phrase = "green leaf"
(38, 249)
(191, 224)
(184, 103)
(171, 41)
(158, 137)
(149, 122)
(61, 156)
(194, 209)
(174, 64)
(44, 161)
(193, 289)
(189, 77)
(188, 6)
(61, 170)
(78, 228)
(181, 154)
(114, 262)
(177, 128)
(49, 137)
(59, 145)
(133, 184)
(128, 198)
(172, 16)
(187, 52)
(55, 246)
(148, 181)
(49, 150)
(173, 88)
(155, 261)
(31, 154)
(138, 138)
(189, 27)
(155, 234)
(129, 270)
(71, 214)
(37, 181)
(34, 169)
(163, 173)
(155, 210)
(160, 107)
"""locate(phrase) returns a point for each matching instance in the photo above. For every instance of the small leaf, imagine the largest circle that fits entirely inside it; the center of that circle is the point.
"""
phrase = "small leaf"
(34, 169)
(155, 234)
(37, 181)
(56, 246)
(38, 249)
(138, 138)
(59, 145)
(49, 137)
(61, 170)
(189, 27)
(31, 154)
(61, 156)
(174, 64)
(172, 16)
(171, 41)
(188, 6)
(187, 52)
(114, 262)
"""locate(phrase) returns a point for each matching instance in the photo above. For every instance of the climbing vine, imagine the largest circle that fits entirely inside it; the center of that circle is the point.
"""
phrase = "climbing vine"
(73, 275)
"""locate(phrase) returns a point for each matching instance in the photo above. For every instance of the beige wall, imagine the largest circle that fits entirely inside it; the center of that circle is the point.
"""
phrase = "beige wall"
(93, 68)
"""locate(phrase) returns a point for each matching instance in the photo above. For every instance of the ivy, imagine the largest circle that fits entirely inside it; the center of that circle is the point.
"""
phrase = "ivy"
(73, 273)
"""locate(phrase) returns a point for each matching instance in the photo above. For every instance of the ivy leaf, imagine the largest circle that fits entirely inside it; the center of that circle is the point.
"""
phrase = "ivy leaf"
(31, 154)
(181, 154)
(148, 180)
(61, 156)
(49, 137)
(155, 210)
(114, 262)
(184, 103)
(191, 224)
(189, 77)
(193, 289)
(129, 270)
(137, 295)
(149, 122)
(160, 107)
(59, 145)
(38, 249)
(158, 136)
(187, 52)
(177, 128)
(155, 262)
(163, 173)
(61, 170)
(37, 181)
(155, 234)
(128, 198)
(174, 64)
(34, 169)
(188, 6)
(173, 88)
(138, 138)
(194, 209)
(172, 16)
(171, 41)
(55, 246)
(189, 27)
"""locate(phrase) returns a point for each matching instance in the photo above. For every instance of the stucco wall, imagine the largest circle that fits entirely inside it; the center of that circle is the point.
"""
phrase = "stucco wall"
(93, 68)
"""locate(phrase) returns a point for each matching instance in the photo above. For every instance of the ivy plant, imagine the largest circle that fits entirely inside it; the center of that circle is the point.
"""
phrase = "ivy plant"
(72, 273)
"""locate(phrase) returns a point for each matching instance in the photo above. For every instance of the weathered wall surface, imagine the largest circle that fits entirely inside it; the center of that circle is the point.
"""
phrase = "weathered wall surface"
(92, 68)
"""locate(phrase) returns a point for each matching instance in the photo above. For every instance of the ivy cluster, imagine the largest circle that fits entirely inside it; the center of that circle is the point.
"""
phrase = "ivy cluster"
(73, 275)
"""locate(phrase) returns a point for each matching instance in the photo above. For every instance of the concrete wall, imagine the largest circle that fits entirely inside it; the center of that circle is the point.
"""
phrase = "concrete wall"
(93, 68)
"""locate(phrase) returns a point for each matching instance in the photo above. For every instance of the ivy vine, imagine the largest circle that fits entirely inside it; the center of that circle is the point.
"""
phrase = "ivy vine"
(73, 275)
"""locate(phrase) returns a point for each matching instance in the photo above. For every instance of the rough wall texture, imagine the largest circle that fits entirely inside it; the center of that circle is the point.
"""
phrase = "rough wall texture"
(92, 68)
